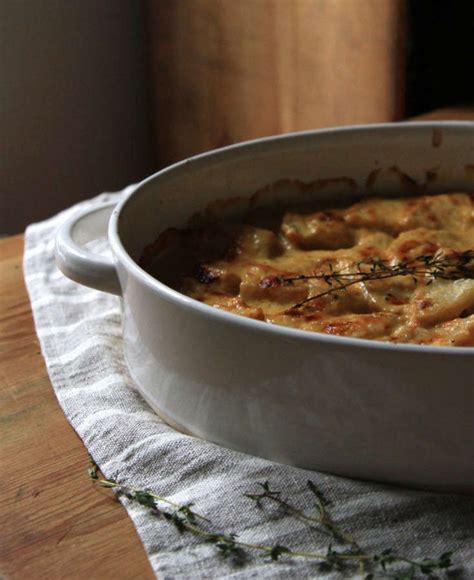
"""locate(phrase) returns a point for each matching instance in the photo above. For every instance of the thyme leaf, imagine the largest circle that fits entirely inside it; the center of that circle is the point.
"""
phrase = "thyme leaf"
(277, 551)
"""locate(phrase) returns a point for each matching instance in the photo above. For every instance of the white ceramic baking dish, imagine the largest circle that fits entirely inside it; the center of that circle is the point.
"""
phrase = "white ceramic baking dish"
(365, 409)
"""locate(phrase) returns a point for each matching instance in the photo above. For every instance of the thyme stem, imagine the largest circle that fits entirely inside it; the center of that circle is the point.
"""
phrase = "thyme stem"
(113, 485)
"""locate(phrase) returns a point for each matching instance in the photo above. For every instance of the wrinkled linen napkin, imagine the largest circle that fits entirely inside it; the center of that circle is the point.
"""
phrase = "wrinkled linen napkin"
(80, 334)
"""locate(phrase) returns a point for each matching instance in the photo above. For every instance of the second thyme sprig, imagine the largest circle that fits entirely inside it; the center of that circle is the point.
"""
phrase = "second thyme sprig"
(322, 519)
(452, 266)
(186, 519)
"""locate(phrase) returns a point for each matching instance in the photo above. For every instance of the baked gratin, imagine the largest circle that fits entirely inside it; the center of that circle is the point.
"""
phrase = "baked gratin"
(397, 270)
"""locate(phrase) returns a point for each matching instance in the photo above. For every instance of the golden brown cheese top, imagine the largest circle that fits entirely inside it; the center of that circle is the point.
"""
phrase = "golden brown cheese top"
(398, 270)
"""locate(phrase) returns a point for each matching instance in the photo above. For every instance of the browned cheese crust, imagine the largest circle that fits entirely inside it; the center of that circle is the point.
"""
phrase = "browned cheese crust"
(248, 268)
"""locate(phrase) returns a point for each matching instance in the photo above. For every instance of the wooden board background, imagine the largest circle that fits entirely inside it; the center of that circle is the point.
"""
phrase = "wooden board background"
(224, 71)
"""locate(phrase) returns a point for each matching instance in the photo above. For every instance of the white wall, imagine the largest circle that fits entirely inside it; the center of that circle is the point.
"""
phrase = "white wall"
(74, 116)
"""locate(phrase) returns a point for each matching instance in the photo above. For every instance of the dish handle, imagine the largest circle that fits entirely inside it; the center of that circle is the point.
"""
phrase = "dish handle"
(79, 263)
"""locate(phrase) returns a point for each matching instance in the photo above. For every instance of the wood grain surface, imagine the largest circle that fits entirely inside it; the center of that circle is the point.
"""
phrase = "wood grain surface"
(226, 71)
(53, 523)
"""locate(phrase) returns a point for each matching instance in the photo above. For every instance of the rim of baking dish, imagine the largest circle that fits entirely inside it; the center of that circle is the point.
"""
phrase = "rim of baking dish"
(259, 325)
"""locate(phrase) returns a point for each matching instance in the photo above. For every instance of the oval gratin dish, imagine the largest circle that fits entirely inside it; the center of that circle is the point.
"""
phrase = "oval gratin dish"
(399, 413)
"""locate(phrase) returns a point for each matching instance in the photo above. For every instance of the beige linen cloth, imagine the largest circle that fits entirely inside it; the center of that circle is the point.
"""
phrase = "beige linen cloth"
(81, 340)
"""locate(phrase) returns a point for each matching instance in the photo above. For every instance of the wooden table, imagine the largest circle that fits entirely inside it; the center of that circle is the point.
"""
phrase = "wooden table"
(53, 523)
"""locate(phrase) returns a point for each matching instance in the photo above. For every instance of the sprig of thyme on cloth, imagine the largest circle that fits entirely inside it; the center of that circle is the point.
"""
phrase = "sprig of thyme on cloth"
(347, 557)
(452, 266)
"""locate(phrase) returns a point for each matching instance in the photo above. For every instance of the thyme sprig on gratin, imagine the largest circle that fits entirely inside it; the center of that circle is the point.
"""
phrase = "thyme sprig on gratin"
(452, 266)
(344, 558)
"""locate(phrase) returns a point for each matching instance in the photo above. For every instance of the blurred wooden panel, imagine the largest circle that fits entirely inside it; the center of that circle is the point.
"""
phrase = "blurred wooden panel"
(228, 70)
